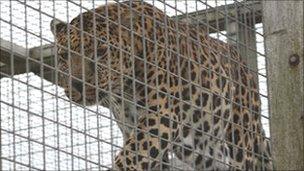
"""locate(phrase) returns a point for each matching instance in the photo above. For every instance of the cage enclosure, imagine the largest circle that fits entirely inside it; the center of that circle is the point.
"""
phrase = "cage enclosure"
(142, 85)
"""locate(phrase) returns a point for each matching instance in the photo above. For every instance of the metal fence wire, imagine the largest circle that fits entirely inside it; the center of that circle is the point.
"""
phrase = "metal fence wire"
(133, 85)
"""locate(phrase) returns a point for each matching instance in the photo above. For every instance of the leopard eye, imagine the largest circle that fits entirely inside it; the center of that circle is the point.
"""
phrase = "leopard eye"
(102, 51)
(64, 56)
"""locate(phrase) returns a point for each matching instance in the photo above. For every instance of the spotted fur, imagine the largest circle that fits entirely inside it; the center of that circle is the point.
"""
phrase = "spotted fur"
(170, 85)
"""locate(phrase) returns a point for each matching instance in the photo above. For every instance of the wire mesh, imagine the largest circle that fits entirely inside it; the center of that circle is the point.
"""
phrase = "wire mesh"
(42, 128)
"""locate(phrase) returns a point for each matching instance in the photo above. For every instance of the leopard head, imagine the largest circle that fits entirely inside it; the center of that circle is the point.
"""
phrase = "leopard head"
(94, 52)
(83, 62)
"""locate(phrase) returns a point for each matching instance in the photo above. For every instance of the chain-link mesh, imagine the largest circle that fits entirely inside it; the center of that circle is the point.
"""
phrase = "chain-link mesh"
(97, 94)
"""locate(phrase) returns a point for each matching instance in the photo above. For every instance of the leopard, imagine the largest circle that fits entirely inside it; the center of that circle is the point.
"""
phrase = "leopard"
(171, 87)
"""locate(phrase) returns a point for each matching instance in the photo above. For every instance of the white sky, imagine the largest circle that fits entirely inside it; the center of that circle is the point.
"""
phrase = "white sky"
(27, 28)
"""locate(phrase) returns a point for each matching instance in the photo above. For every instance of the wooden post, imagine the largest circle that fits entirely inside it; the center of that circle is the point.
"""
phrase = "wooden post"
(283, 27)
(242, 35)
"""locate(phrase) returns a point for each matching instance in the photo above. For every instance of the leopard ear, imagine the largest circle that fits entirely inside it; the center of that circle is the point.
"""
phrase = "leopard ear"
(57, 25)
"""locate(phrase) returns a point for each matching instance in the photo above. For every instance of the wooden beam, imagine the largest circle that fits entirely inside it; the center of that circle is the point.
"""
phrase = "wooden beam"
(243, 37)
(14, 60)
(284, 30)
(213, 18)
(9, 65)
(238, 20)
(216, 19)
(12, 47)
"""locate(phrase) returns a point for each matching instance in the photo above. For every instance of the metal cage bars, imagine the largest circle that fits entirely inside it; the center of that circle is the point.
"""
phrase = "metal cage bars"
(70, 127)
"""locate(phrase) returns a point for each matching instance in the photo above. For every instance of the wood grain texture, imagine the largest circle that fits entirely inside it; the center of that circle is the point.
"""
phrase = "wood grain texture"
(283, 27)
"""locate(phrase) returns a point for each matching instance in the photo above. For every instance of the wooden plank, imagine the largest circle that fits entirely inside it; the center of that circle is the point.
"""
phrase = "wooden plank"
(20, 55)
(12, 47)
(211, 17)
(239, 20)
(284, 30)
(216, 19)
(244, 38)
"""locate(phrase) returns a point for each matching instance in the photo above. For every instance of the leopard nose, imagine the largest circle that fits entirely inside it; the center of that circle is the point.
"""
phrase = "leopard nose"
(77, 85)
